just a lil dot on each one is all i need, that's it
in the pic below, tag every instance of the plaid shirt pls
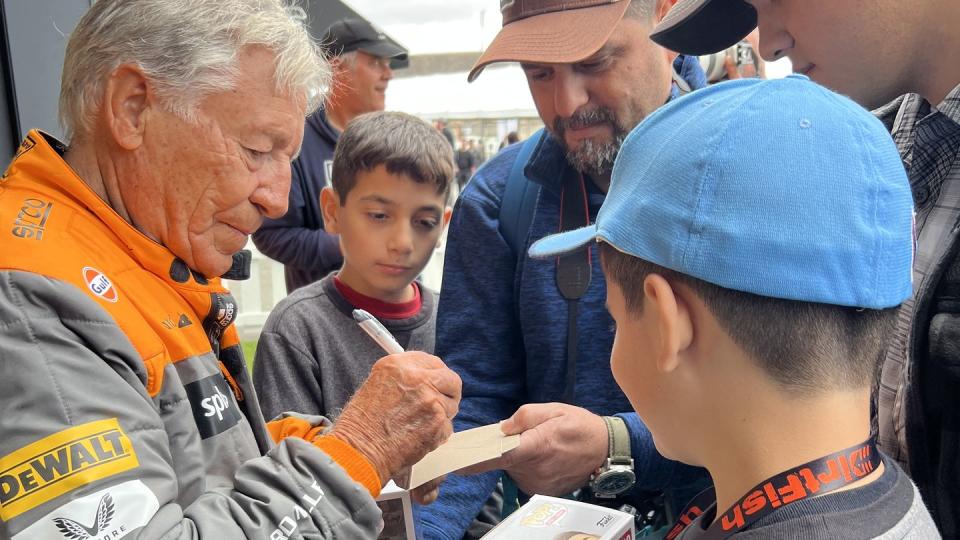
(929, 140)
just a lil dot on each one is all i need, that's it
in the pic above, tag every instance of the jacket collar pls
(950, 107)
(46, 155)
(321, 126)
(906, 110)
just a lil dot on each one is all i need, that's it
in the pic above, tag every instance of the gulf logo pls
(99, 284)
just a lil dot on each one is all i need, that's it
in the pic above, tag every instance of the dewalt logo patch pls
(62, 462)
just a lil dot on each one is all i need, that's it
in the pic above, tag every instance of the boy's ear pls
(673, 320)
(126, 100)
(663, 7)
(447, 213)
(329, 204)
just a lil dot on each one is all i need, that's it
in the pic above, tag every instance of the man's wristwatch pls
(616, 474)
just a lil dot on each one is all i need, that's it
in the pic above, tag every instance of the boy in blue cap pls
(753, 298)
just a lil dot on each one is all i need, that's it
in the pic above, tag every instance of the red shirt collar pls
(379, 308)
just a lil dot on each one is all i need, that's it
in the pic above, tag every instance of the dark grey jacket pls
(297, 239)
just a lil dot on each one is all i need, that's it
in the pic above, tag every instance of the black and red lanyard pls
(812, 479)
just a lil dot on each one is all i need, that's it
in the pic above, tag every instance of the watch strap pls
(618, 438)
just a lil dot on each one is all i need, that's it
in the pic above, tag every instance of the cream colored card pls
(461, 450)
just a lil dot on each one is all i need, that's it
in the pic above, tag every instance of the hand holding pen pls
(377, 331)
(402, 411)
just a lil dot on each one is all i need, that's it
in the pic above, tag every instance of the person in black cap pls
(360, 57)
(902, 59)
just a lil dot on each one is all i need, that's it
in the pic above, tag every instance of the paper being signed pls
(462, 450)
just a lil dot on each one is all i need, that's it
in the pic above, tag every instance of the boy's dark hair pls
(403, 143)
(804, 346)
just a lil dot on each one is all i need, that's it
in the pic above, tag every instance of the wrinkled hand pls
(560, 447)
(402, 412)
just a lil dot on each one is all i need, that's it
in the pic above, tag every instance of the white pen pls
(375, 330)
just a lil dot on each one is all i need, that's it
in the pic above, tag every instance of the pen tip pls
(360, 315)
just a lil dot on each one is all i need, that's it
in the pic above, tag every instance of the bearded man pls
(525, 338)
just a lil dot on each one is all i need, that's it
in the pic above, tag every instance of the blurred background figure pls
(360, 55)
(441, 126)
(739, 61)
(511, 138)
(466, 161)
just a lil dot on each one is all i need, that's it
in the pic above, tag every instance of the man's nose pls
(272, 194)
(569, 93)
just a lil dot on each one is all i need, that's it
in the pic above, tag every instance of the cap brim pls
(563, 243)
(705, 26)
(383, 49)
(559, 37)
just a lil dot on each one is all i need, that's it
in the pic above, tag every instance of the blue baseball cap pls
(778, 188)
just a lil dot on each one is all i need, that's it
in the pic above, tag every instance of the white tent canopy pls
(499, 92)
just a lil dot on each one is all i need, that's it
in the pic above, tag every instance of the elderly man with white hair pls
(127, 408)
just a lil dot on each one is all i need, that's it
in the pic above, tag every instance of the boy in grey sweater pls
(388, 204)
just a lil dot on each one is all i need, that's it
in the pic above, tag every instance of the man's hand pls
(402, 412)
(427, 493)
(560, 447)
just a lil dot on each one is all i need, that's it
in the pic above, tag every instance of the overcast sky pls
(433, 26)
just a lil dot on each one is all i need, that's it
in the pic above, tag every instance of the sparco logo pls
(215, 405)
(214, 410)
(99, 284)
(226, 313)
(32, 219)
(101, 524)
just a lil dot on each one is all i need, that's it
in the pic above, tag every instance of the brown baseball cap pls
(705, 26)
(551, 31)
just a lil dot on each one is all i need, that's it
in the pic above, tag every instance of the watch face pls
(613, 482)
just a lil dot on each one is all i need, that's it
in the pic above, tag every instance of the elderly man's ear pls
(126, 99)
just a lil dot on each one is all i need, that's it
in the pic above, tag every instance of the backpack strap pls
(682, 84)
(519, 199)
(573, 270)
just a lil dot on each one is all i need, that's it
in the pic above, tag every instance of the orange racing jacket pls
(126, 406)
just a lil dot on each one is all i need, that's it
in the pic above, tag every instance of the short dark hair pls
(804, 346)
(403, 143)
